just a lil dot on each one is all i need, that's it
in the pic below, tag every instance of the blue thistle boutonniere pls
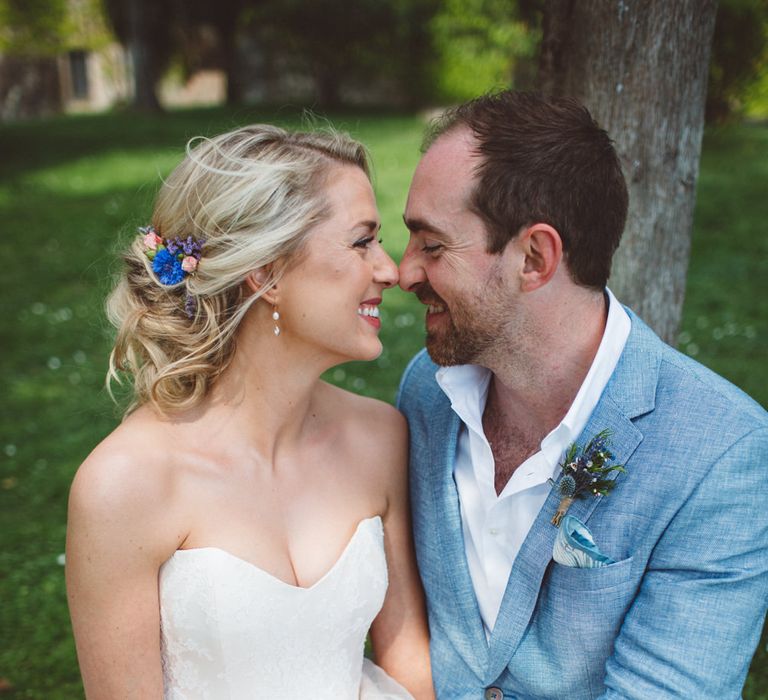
(584, 473)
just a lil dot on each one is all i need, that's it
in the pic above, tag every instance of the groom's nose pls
(411, 269)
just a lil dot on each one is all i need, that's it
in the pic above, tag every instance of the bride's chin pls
(370, 353)
(377, 351)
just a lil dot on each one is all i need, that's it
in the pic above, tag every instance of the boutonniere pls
(584, 473)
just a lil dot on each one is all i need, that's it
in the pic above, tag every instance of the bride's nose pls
(385, 271)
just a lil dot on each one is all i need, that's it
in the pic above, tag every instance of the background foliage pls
(48, 27)
(739, 60)
(478, 43)
(405, 52)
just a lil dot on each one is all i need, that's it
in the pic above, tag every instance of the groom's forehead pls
(447, 172)
(454, 152)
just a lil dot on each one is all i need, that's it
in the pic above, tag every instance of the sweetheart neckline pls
(266, 573)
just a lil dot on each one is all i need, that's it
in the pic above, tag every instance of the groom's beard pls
(466, 332)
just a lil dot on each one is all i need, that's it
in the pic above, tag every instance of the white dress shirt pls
(495, 526)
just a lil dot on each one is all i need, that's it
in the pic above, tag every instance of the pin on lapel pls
(584, 473)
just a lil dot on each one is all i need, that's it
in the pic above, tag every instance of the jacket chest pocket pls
(571, 633)
(584, 607)
(578, 614)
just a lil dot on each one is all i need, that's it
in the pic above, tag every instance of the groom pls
(515, 211)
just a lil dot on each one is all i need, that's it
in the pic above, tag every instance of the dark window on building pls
(78, 69)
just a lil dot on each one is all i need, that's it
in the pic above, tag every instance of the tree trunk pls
(328, 87)
(641, 69)
(232, 70)
(226, 20)
(144, 56)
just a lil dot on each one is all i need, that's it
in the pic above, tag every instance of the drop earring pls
(276, 318)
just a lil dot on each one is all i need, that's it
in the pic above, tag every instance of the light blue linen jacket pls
(680, 613)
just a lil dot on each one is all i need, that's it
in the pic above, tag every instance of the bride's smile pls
(329, 299)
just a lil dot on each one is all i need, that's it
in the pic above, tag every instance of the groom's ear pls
(542, 250)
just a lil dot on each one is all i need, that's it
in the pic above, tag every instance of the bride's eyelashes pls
(365, 242)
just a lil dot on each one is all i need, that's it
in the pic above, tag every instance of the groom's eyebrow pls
(414, 225)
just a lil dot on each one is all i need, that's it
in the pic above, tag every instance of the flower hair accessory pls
(584, 473)
(172, 259)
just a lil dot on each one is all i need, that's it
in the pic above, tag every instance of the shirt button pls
(494, 694)
(494, 531)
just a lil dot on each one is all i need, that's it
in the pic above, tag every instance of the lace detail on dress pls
(230, 631)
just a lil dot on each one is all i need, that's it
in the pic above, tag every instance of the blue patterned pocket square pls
(575, 546)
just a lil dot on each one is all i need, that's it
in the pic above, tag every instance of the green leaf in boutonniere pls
(585, 473)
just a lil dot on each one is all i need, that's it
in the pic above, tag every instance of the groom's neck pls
(536, 380)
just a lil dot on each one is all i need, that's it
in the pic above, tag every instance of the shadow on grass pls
(34, 144)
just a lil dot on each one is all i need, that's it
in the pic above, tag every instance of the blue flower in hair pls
(167, 267)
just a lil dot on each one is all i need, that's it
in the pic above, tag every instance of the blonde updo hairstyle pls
(251, 195)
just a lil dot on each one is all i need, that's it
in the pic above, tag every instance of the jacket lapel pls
(469, 635)
(630, 393)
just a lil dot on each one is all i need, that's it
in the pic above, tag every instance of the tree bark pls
(225, 16)
(641, 69)
(328, 86)
(143, 18)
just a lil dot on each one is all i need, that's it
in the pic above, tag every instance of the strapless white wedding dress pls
(231, 631)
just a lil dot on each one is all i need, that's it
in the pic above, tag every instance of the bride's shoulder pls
(131, 457)
(373, 435)
(363, 412)
(127, 480)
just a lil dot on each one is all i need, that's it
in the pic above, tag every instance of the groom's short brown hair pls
(545, 159)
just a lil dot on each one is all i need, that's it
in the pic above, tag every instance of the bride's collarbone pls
(291, 520)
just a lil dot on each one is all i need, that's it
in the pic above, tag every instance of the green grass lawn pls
(72, 192)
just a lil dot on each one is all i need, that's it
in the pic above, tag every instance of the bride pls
(247, 523)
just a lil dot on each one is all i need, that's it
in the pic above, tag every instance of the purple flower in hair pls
(192, 247)
(190, 306)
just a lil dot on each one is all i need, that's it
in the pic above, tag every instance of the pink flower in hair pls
(189, 263)
(152, 240)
